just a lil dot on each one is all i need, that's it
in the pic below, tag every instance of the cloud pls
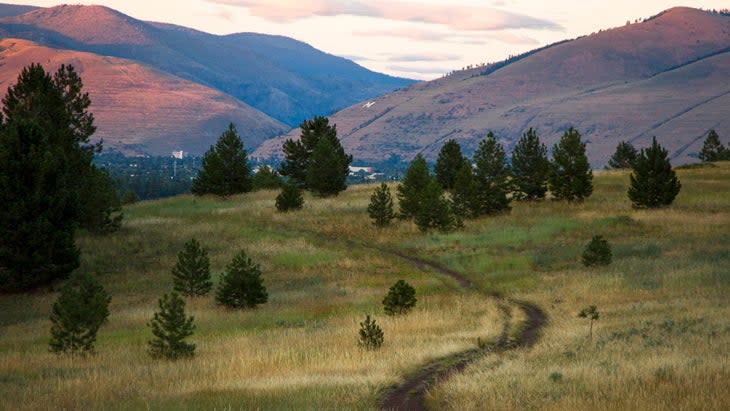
(356, 58)
(456, 17)
(419, 70)
(472, 37)
(409, 58)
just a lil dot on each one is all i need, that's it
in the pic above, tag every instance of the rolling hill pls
(666, 76)
(139, 109)
(284, 78)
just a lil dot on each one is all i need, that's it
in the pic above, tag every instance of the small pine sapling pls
(597, 252)
(171, 327)
(380, 208)
(591, 313)
(191, 274)
(290, 198)
(241, 285)
(371, 335)
(401, 298)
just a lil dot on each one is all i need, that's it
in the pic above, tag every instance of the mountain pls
(284, 78)
(139, 109)
(7, 10)
(666, 76)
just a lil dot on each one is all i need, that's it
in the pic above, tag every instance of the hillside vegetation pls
(661, 342)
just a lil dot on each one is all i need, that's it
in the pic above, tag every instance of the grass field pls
(662, 342)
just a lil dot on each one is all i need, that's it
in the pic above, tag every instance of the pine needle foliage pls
(81, 309)
(241, 285)
(191, 274)
(324, 171)
(380, 208)
(570, 175)
(463, 194)
(653, 182)
(266, 178)
(448, 163)
(530, 167)
(712, 148)
(491, 173)
(592, 314)
(170, 327)
(434, 209)
(290, 198)
(401, 298)
(410, 188)
(597, 252)
(371, 336)
(624, 157)
(225, 170)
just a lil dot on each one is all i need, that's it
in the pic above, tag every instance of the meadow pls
(662, 341)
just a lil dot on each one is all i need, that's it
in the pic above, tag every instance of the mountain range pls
(666, 77)
(265, 84)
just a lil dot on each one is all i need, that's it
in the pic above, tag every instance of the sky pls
(415, 39)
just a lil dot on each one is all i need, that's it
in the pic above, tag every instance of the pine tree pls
(712, 148)
(266, 179)
(491, 174)
(81, 309)
(434, 210)
(597, 252)
(448, 163)
(463, 194)
(290, 198)
(530, 167)
(191, 274)
(225, 170)
(653, 182)
(101, 209)
(241, 285)
(411, 187)
(624, 157)
(171, 327)
(570, 175)
(324, 171)
(401, 298)
(591, 313)
(371, 335)
(380, 208)
(297, 154)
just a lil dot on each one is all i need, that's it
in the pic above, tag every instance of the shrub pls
(380, 208)
(371, 335)
(77, 315)
(401, 298)
(241, 285)
(597, 252)
(290, 198)
(171, 327)
(191, 274)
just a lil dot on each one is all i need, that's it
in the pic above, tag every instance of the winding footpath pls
(411, 394)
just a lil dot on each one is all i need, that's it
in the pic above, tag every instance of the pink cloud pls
(461, 18)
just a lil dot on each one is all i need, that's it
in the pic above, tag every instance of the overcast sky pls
(416, 39)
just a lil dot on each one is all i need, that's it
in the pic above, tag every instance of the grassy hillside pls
(662, 340)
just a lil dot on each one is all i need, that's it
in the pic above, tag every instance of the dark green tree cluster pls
(597, 252)
(422, 199)
(448, 163)
(241, 285)
(48, 185)
(713, 149)
(380, 208)
(570, 177)
(624, 157)
(401, 298)
(317, 161)
(290, 198)
(530, 167)
(81, 309)
(266, 178)
(225, 170)
(653, 181)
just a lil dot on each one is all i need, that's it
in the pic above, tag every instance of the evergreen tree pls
(290, 198)
(81, 309)
(401, 298)
(266, 179)
(448, 163)
(324, 172)
(491, 174)
(371, 335)
(591, 313)
(434, 210)
(297, 154)
(624, 157)
(653, 182)
(411, 187)
(171, 326)
(101, 209)
(463, 195)
(241, 285)
(380, 208)
(712, 148)
(225, 170)
(597, 252)
(530, 167)
(191, 274)
(130, 197)
(47, 181)
(570, 175)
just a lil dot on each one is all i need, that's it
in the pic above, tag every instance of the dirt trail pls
(411, 394)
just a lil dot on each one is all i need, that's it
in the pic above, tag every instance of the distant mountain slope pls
(285, 78)
(7, 10)
(141, 109)
(667, 76)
